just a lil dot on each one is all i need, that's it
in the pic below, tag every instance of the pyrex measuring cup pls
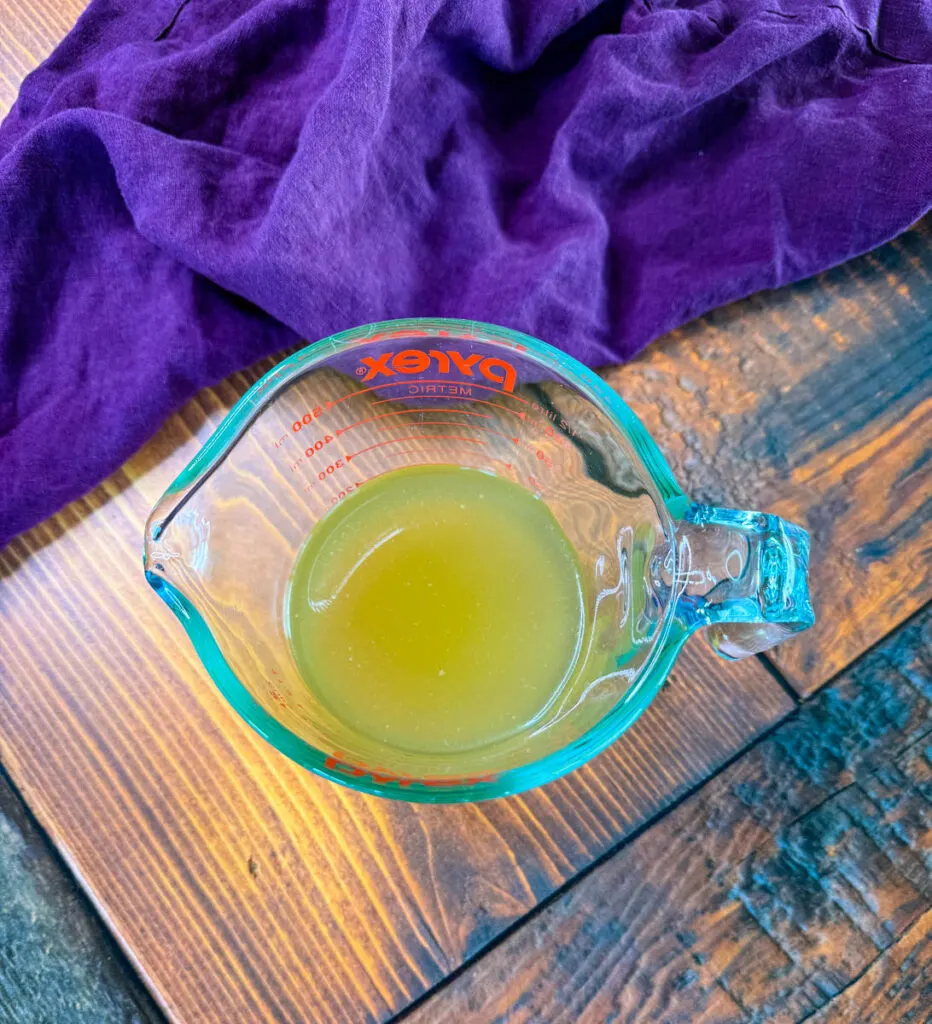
(221, 543)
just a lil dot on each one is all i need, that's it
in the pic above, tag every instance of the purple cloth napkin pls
(187, 186)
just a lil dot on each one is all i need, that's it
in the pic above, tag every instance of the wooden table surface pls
(757, 848)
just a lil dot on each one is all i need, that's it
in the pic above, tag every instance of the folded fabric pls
(185, 187)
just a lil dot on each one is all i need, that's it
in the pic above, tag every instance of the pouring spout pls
(744, 576)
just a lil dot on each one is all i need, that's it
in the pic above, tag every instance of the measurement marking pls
(359, 423)
(453, 423)
(456, 398)
(409, 383)
(414, 437)
(501, 462)
(402, 412)
(307, 419)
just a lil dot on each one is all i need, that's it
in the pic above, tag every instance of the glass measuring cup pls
(221, 543)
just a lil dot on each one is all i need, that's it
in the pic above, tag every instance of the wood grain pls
(57, 963)
(246, 890)
(897, 989)
(243, 887)
(815, 402)
(29, 32)
(792, 875)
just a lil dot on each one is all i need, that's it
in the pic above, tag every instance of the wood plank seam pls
(591, 809)
(560, 892)
(217, 927)
(919, 936)
(843, 798)
(921, 925)
(803, 697)
(59, 884)
(609, 853)
(774, 670)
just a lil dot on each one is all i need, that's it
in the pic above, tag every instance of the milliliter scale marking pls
(439, 390)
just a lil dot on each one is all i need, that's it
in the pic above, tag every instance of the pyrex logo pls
(414, 360)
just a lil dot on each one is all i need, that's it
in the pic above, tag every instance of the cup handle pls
(744, 576)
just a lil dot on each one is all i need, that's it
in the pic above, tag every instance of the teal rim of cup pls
(512, 780)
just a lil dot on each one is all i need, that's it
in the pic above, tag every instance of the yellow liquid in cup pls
(437, 609)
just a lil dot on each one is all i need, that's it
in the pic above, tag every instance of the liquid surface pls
(437, 609)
